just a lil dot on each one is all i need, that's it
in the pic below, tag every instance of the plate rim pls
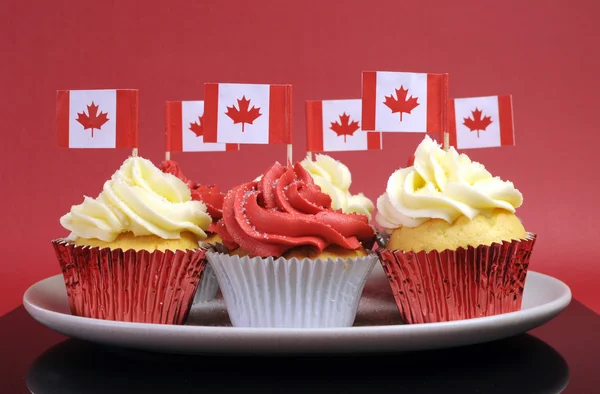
(553, 307)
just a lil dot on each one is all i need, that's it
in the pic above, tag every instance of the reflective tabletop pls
(561, 356)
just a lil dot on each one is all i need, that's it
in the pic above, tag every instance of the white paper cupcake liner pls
(268, 292)
(208, 287)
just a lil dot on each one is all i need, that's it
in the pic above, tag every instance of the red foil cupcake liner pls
(130, 286)
(458, 284)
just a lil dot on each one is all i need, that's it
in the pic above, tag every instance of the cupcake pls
(334, 179)
(213, 200)
(133, 252)
(296, 262)
(456, 249)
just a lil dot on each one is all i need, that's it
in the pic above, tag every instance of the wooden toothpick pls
(445, 98)
(289, 154)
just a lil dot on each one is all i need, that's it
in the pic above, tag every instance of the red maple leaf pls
(401, 104)
(93, 121)
(477, 123)
(344, 126)
(243, 115)
(197, 127)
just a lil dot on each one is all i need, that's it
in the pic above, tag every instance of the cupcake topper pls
(480, 122)
(335, 125)
(89, 119)
(248, 114)
(184, 129)
(404, 102)
(445, 100)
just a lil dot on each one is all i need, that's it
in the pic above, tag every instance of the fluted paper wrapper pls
(209, 286)
(458, 284)
(268, 292)
(130, 286)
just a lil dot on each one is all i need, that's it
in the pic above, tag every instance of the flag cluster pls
(403, 102)
(233, 114)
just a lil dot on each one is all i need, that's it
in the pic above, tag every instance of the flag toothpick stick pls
(289, 154)
(445, 112)
(167, 155)
(309, 155)
(446, 141)
(134, 152)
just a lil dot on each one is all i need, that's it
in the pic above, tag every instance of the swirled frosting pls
(210, 195)
(171, 167)
(141, 199)
(286, 209)
(335, 179)
(443, 185)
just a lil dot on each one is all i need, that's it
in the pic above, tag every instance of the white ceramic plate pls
(377, 328)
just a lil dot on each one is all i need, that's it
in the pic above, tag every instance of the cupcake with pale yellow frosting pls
(456, 248)
(133, 252)
(334, 179)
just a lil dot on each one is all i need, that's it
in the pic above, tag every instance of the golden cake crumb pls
(213, 238)
(437, 234)
(332, 251)
(150, 243)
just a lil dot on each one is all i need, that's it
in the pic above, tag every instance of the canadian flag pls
(481, 122)
(335, 125)
(403, 101)
(97, 118)
(247, 113)
(184, 126)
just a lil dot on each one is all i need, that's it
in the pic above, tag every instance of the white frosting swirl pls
(335, 179)
(442, 185)
(141, 199)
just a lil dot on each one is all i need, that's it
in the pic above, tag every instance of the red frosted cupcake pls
(456, 248)
(212, 198)
(295, 262)
(210, 195)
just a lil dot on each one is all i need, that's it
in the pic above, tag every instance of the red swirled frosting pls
(210, 195)
(283, 210)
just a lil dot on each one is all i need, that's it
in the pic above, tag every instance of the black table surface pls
(561, 356)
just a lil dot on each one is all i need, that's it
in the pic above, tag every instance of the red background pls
(543, 52)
